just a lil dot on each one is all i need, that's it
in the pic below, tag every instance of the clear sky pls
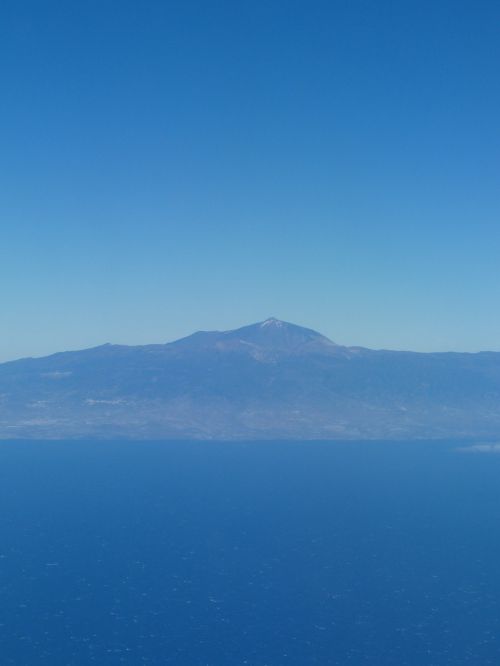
(172, 166)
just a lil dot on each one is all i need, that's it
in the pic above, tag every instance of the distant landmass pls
(270, 380)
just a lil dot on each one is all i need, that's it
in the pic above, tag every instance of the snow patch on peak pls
(272, 322)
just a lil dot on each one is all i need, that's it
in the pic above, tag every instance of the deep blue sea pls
(260, 554)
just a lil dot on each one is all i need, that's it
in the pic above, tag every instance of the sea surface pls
(260, 554)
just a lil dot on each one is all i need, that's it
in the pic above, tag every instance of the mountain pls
(268, 340)
(265, 381)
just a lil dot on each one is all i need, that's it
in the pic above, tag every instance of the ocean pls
(258, 554)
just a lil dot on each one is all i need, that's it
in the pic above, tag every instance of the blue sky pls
(173, 166)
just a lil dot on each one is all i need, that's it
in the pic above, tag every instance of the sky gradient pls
(174, 166)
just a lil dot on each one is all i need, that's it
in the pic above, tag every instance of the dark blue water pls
(270, 554)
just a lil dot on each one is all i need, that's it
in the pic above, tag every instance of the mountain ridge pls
(268, 380)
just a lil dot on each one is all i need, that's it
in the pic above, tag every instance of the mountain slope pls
(268, 380)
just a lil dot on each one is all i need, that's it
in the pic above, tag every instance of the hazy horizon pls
(234, 328)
